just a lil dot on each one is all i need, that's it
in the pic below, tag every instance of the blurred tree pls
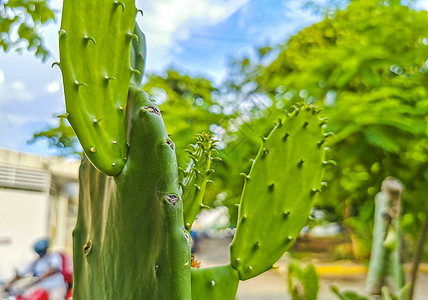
(20, 22)
(366, 66)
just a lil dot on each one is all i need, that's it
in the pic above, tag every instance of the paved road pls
(272, 285)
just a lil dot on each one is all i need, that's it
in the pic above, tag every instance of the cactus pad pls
(95, 48)
(278, 192)
(216, 283)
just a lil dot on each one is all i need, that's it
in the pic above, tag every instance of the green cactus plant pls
(135, 212)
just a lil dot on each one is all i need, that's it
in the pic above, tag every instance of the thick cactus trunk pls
(385, 267)
(129, 241)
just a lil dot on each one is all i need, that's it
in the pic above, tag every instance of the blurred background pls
(229, 67)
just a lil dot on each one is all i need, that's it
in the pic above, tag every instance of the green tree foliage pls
(20, 22)
(366, 66)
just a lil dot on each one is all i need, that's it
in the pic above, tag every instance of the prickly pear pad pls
(216, 283)
(278, 192)
(95, 47)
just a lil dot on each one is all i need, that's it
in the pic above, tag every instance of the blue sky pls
(195, 36)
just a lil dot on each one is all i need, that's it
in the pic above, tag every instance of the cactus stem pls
(300, 164)
(121, 4)
(172, 198)
(87, 38)
(284, 138)
(87, 247)
(56, 64)
(65, 115)
(131, 36)
(305, 124)
(93, 150)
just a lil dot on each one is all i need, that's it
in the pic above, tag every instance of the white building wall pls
(23, 220)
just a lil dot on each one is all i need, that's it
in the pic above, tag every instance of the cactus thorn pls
(250, 268)
(65, 115)
(205, 206)
(141, 12)
(319, 144)
(151, 109)
(256, 245)
(211, 181)
(134, 71)
(244, 175)
(107, 78)
(87, 247)
(188, 225)
(305, 124)
(237, 260)
(271, 187)
(197, 187)
(210, 171)
(121, 4)
(187, 263)
(284, 138)
(170, 143)
(132, 36)
(93, 150)
(314, 191)
(56, 64)
(173, 199)
(114, 142)
(96, 121)
(329, 162)
(213, 282)
(323, 121)
(113, 164)
(243, 217)
(87, 38)
(289, 238)
(324, 184)
(265, 152)
(300, 164)
(327, 134)
(264, 139)
(77, 84)
(217, 159)
(61, 33)
(279, 122)
(286, 213)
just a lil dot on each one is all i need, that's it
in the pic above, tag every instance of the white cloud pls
(14, 92)
(166, 22)
(53, 87)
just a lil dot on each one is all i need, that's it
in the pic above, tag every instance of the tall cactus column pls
(385, 267)
(129, 241)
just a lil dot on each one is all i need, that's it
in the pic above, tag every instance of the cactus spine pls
(131, 239)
